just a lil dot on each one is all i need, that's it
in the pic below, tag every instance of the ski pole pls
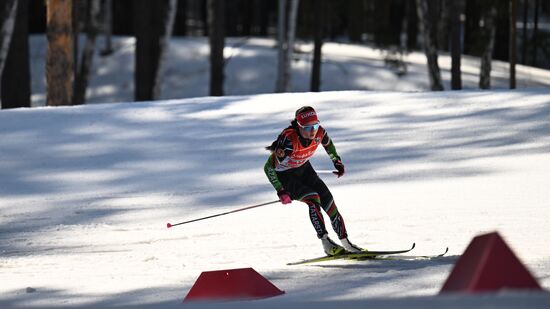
(169, 225)
(326, 172)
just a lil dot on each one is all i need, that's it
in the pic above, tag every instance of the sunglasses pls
(310, 127)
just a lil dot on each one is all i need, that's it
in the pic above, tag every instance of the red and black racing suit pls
(288, 167)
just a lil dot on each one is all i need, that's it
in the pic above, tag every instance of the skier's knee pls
(312, 198)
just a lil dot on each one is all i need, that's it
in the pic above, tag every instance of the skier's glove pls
(338, 165)
(284, 196)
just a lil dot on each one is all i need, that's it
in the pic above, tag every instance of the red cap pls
(306, 115)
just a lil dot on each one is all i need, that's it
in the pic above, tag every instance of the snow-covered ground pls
(86, 192)
(251, 69)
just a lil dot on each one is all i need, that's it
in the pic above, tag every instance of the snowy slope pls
(86, 192)
(251, 69)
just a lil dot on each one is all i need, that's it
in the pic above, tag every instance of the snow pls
(251, 69)
(86, 192)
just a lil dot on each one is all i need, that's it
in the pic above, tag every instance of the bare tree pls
(318, 27)
(16, 76)
(455, 7)
(108, 27)
(286, 43)
(8, 14)
(534, 42)
(281, 45)
(513, 51)
(216, 21)
(489, 31)
(154, 21)
(524, 34)
(429, 45)
(59, 59)
(83, 72)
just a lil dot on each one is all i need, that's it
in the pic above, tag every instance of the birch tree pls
(488, 35)
(59, 59)
(429, 45)
(286, 34)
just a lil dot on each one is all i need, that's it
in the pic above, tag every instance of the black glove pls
(339, 166)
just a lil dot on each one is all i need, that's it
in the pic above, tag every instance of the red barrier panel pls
(488, 264)
(232, 284)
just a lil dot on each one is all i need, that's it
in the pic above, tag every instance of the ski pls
(349, 255)
(405, 257)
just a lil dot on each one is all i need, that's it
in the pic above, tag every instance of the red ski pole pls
(169, 225)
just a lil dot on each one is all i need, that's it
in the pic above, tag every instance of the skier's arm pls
(269, 169)
(330, 148)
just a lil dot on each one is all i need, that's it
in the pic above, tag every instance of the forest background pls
(515, 31)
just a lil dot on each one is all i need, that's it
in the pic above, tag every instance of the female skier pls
(291, 174)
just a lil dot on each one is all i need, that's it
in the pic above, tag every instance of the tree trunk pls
(169, 18)
(293, 15)
(59, 59)
(16, 77)
(282, 46)
(455, 9)
(513, 52)
(524, 34)
(153, 25)
(429, 46)
(535, 32)
(286, 46)
(83, 72)
(216, 21)
(318, 20)
(487, 56)
(8, 15)
(108, 27)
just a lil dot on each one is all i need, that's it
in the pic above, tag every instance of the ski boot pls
(330, 247)
(349, 247)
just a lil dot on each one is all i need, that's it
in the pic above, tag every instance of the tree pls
(524, 34)
(286, 33)
(154, 21)
(83, 72)
(534, 42)
(216, 25)
(429, 45)
(7, 15)
(108, 27)
(59, 59)
(488, 33)
(16, 77)
(455, 9)
(318, 27)
(512, 53)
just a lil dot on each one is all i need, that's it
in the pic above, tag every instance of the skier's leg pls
(299, 191)
(328, 205)
(326, 201)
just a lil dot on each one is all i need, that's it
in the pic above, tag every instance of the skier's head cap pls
(306, 115)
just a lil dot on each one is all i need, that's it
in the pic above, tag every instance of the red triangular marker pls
(232, 284)
(488, 264)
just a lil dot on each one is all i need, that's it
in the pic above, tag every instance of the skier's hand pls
(284, 196)
(338, 165)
